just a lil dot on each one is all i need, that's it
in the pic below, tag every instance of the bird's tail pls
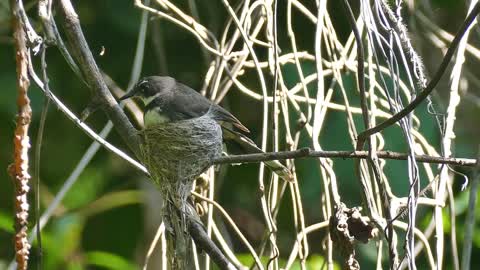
(248, 146)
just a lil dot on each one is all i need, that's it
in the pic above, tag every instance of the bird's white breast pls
(155, 116)
(147, 100)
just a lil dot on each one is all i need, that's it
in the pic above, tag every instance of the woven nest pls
(176, 153)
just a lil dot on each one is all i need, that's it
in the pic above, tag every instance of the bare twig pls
(431, 85)
(160, 232)
(470, 219)
(38, 155)
(234, 226)
(308, 153)
(84, 126)
(199, 235)
(87, 65)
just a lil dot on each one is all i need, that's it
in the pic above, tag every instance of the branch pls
(309, 153)
(234, 227)
(84, 127)
(360, 61)
(100, 94)
(18, 170)
(200, 236)
(431, 85)
(469, 230)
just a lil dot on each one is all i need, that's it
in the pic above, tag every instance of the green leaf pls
(62, 240)
(86, 189)
(313, 262)
(6, 222)
(112, 200)
(108, 260)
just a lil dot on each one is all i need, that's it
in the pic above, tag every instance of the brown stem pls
(19, 168)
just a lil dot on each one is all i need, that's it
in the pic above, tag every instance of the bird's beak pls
(129, 94)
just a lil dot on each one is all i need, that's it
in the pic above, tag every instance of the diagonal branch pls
(100, 94)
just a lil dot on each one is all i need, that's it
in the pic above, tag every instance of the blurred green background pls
(103, 222)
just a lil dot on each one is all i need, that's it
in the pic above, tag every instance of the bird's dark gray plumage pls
(167, 100)
(178, 101)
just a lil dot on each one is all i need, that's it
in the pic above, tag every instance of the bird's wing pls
(188, 103)
(249, 147)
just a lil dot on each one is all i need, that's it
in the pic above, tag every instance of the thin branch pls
(72, 178)
(84, 127)
(38, 156)
(308, 153)
(360, 61)
(99, 140)
(91, 72)
(470, 219)
(234, 227)
(153, 244)
(431, 85)
(200, 236)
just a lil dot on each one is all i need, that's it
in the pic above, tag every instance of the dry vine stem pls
(19, 169)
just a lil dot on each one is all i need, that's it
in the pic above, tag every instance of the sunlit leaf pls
(108, 260)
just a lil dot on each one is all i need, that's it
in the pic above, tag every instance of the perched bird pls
(182, 136)
(167, 100)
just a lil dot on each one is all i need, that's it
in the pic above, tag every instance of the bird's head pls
(149, 88)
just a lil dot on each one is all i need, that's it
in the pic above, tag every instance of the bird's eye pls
(142, 88)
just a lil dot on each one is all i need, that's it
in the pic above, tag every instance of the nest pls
(176, 153)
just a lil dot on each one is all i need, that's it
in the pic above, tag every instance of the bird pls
(166, 100)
